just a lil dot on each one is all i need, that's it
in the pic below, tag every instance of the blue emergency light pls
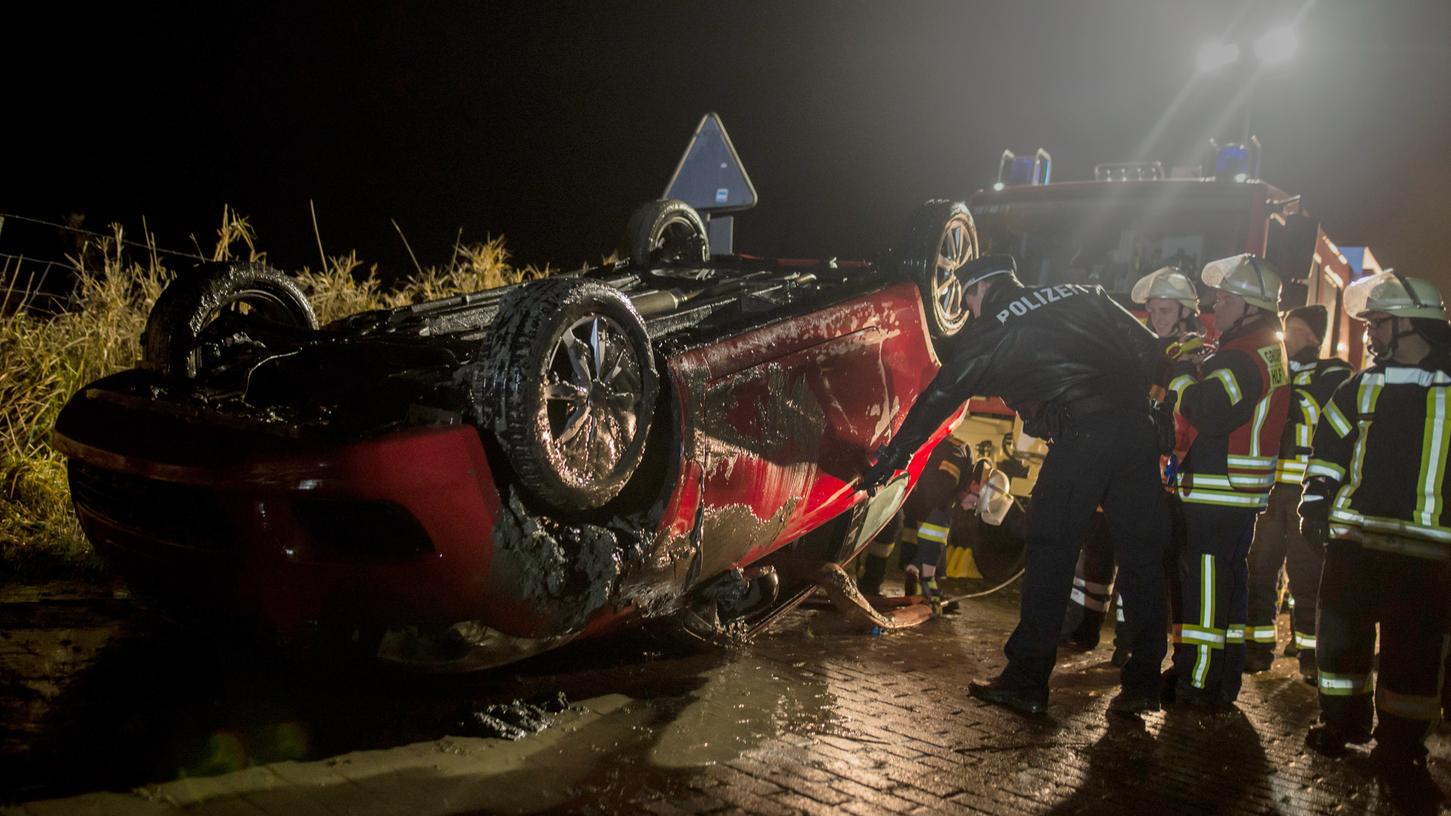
(1015, 170)
(1236, 161)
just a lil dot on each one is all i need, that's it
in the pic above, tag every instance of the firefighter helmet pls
(1166, 283)
(1394, 294)
(1245, 275)
(994, 499)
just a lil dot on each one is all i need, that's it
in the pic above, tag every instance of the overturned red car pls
(461, 483)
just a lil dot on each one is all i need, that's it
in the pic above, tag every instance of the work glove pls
(1163, 416)
(888, 462)
(1315, 514)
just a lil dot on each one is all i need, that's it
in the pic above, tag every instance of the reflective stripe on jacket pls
(1313, 382)
(1380, 450)
(1238, 406)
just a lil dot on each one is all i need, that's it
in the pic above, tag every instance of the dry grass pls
(46, 356)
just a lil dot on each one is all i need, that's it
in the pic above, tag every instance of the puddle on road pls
(738, 708)
(139, 707)
(597, 754)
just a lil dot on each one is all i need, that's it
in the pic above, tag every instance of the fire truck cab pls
(1132, 219)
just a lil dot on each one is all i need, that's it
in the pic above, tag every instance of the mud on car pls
(673, 438)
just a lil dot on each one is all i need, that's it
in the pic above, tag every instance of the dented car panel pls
(787, 416)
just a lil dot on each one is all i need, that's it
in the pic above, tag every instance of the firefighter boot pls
(1258, 660)
(1084, 636)
(874, 569)
(1330, 740)
(933, 595)
(911, 585)
(1308, 672)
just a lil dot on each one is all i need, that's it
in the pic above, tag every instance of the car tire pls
(567, 385)
(666, 232)
(940, 237)
(176, 327)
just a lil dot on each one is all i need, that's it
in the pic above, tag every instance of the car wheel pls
(197, 311)
(667, 231)
(568, 385)
(940, 237)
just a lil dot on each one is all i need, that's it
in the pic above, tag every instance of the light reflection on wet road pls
(105, 709)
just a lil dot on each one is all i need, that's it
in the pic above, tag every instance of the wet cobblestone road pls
(815, 717)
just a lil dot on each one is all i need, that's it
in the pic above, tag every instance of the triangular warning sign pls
(710, 176)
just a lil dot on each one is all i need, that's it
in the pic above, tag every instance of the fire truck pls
(1133, 218)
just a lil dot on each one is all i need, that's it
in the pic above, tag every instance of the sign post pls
(711, 178)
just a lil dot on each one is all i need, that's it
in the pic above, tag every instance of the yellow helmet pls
(1166, 283)
(1250, 277)
(1394, 294)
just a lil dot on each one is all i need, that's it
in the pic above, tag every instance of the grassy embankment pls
(46, 356)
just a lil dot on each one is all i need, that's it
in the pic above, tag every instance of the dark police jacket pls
(1048, 351)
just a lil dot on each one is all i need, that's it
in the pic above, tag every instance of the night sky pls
(549, 122)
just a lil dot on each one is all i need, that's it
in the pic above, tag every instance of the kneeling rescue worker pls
(1376, 487)
(1237, 405)
(1076, 366)
(927, 521)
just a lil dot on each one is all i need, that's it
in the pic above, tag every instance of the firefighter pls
(1376, 491)
(1277, 541)
(1236, 405)
(1076, 367)
(927, 517)
(1172, 308)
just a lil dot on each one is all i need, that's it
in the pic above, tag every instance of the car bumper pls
(298, 533)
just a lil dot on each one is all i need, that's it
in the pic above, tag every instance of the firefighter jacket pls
(1380, 454)
(1312, 382)
(1044, 350)
(949, 468)
(1238, 406)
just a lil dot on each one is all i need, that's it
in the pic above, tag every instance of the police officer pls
(1277, 541)
(1377, 489)
(1172, 307)
(1236, 404)
(1075, 366)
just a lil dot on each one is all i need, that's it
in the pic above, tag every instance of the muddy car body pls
(464, 482)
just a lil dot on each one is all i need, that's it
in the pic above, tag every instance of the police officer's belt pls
(1083, 407)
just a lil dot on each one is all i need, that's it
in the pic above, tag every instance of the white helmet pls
(994, 499)
(1166, 283)
(1245, 275)
(1394, 294)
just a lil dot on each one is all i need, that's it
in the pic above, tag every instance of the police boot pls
(874, 569)
(1021, 699)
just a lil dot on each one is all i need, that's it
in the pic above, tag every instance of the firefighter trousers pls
(1407, 596)
(1108, 459)
(1093, 594)
(1212, 588)
(1277, 541)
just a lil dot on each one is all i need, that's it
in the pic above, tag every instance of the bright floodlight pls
(1216, 55)
(1276, 45)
